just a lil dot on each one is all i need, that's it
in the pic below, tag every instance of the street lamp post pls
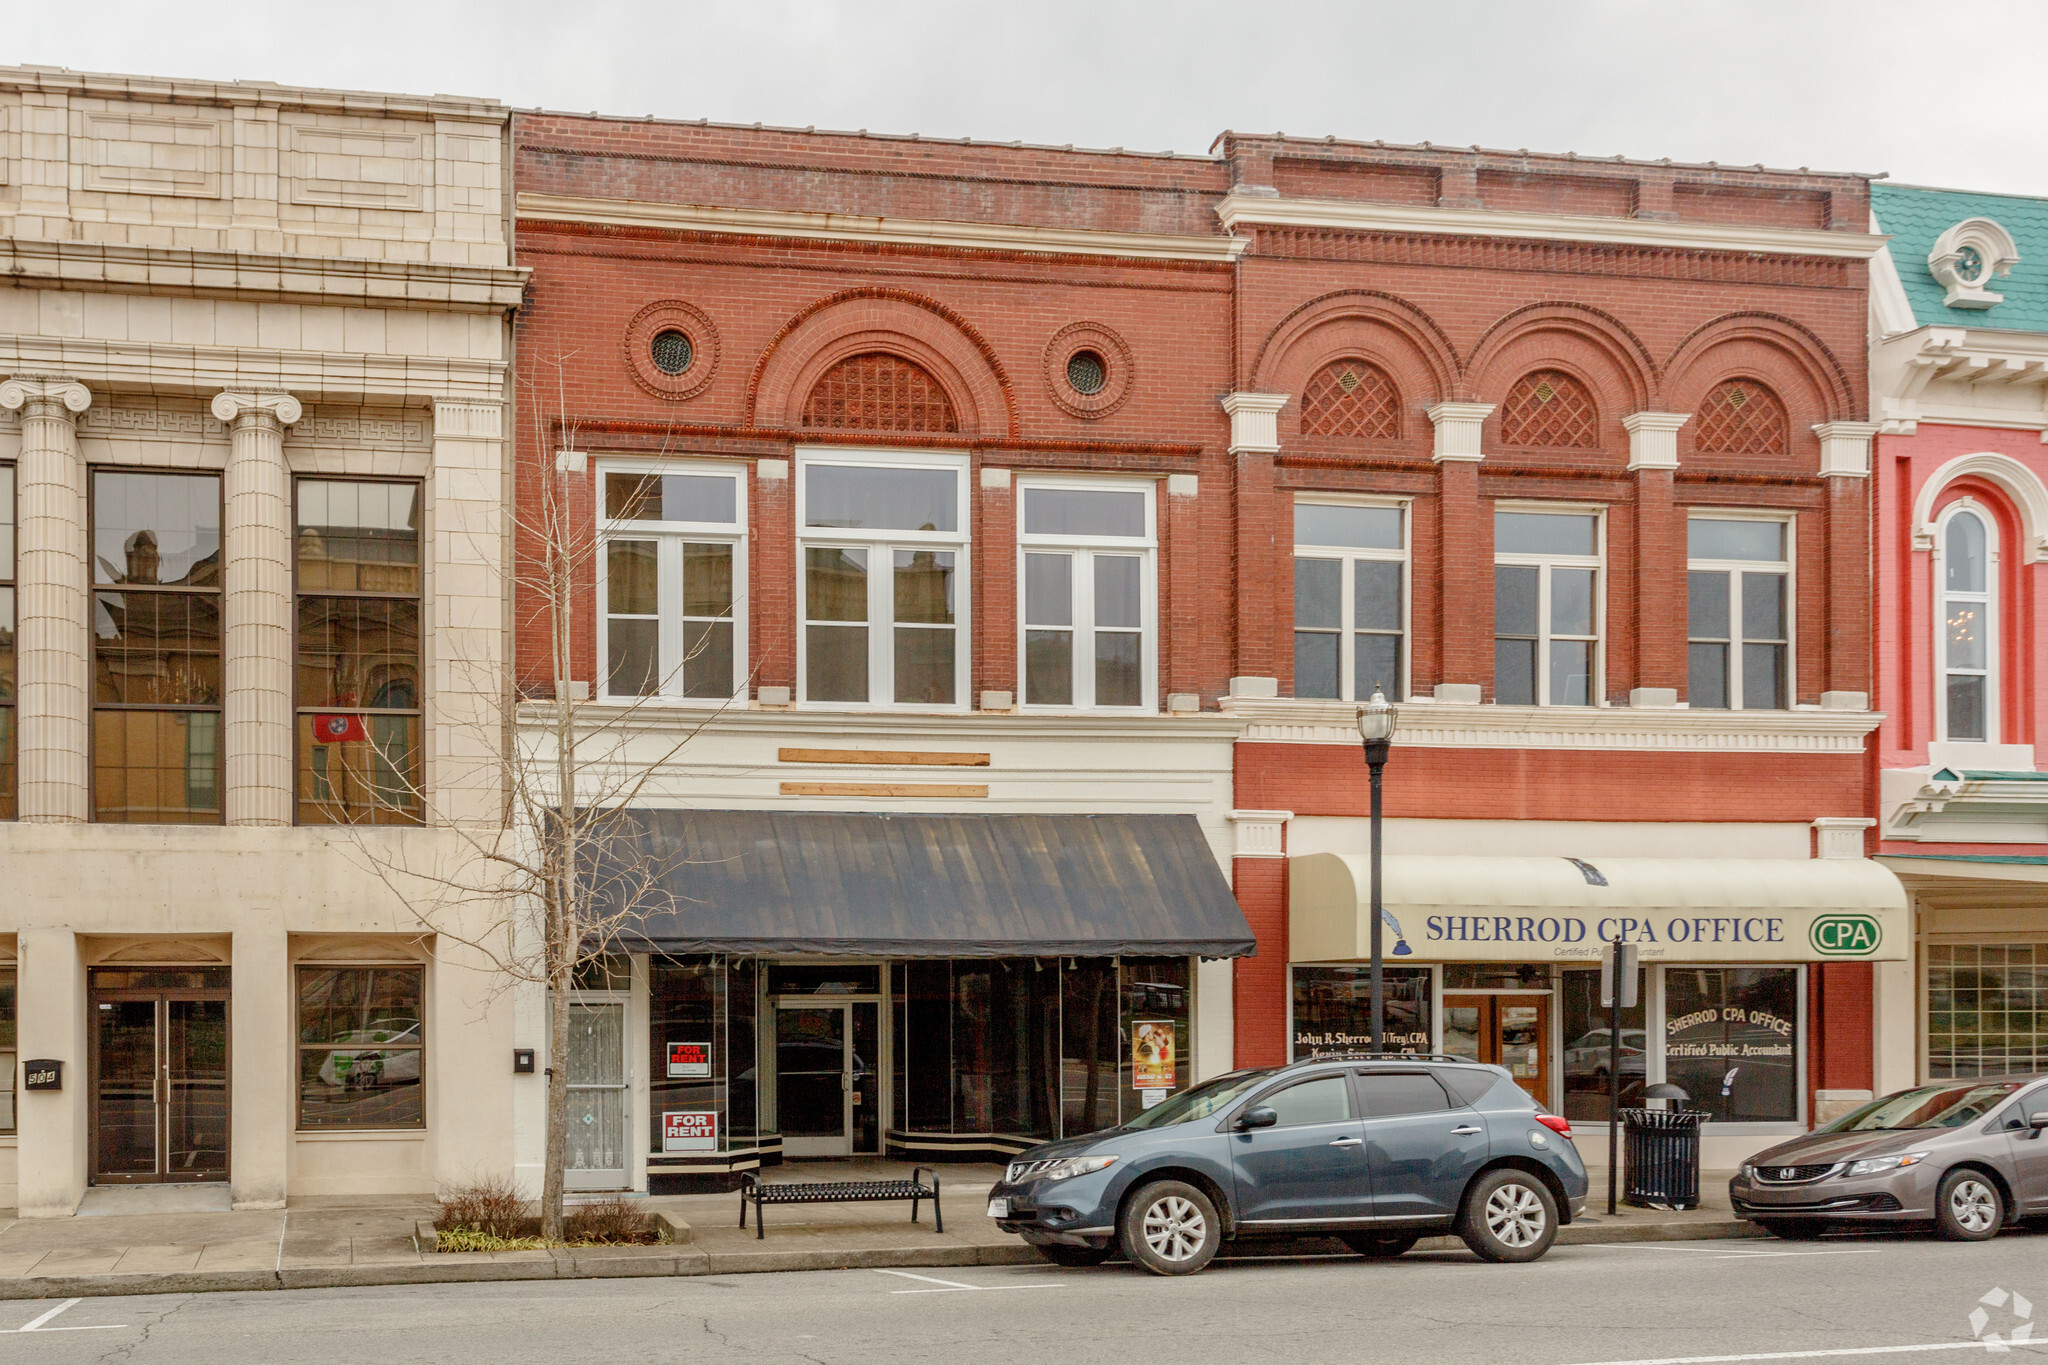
(1376, 728)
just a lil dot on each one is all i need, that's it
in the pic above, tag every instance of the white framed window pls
(1547, 605)
(882, 578)
(1350, 599)
(672, 578)
(1738, 612)
(1088, 624)
(1966, 640)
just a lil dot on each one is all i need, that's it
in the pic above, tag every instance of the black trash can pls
(1660, 1151)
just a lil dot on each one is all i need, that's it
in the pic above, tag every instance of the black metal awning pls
(929, 885)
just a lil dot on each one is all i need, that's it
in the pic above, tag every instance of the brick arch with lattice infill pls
(1750, 352)
(1401, 341)
(907, 327)
(1566, 354)
(877, 391)
(1351, 399)
(1741, 415)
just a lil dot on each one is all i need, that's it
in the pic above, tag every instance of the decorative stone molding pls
(2023, 485)
(1457, 694)
(1966, 258)
(771, 469)
(244, 409)
(1259, 833)
(468, 421)
(1119, 369)
(1458, 428)
(1183, 485)
(672, 315)
(995, 480)
(1653, 698)
(1845, 449)
(1845, 701)
(1836, 836)
(1255, 422)
(1252, 687)
(1426, 724)
(42, 397)
(1653, 439)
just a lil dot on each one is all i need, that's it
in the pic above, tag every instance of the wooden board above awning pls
(888, 885)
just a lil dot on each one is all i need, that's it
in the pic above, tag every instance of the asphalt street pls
(1881, 1298)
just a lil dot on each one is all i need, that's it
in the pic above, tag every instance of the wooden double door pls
(1510, 1030)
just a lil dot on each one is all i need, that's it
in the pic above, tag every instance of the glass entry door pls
(1503, 1030)
(812, 1102)
(598, 1097)
(159, 1089)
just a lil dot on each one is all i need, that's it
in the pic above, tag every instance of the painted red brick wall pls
(1259, 984)
(1841, 1028)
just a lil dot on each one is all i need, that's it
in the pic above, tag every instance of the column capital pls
(235, 407)
(43, 396)
(1255, 422)
(1457, 430)
(1259, 833)
(1653, 439)
(466, 420)
(1845, 448)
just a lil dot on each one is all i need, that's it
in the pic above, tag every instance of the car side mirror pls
(1261, 1117)
(2039, 1123)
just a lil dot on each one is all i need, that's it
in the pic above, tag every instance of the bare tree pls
(563, 874)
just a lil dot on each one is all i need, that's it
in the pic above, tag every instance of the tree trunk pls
(558, 1107)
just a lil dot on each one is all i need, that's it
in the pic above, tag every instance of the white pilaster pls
(256, 608)
(52, 683)
(1653, 439)
(466, 646)
(1254, 421)
(1845, 448)
(1458, 427)
(50, 1007)
(261, 1108)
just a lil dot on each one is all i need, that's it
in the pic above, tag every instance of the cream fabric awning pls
(1552, 909)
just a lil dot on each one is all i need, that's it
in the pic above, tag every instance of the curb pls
(687, 1259)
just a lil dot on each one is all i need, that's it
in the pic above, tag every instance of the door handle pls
(1348, 1142)
(1466, 1131)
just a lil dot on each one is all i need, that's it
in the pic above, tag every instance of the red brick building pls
(1000, 484)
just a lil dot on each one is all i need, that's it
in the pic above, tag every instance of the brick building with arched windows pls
(1012, 533)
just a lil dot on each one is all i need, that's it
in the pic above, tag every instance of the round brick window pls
(670, 351)
(1087, 372)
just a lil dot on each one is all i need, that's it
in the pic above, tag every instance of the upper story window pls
(879, 392)
(882, 541)
(674, 572)
(1549, 408)
(1740, 417)
(1089, 619)
(1351, 398)
(156, 570)
(1738, 613)
(1350, 607)
(1966, 624)
(1546, 607)
(7, 786)
(359, 595)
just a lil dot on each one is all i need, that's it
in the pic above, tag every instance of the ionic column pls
(256, 607)
(52, 690)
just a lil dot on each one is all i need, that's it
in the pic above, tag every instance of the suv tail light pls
(1556, 1123)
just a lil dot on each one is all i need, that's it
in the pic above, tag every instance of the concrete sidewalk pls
(317, 1243)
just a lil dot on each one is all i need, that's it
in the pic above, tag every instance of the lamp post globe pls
(1376, 727)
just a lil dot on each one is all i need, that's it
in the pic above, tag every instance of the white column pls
(466, 655)
(256, 608)
(51, 1146)
(261, 1106)
(52, 682)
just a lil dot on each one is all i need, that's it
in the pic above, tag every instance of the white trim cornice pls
(260, 93)
(317, 376)
(111, 267)
(629, 718)
(1345, 215)
(851, 227)
(1424, 725)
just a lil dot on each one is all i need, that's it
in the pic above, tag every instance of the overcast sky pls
(1937, 95)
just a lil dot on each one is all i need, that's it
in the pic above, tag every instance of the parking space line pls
(955, 1287)
(36, 1324)
(1817, 1355)
(1729, 1254)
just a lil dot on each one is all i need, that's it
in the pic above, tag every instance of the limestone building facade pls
(255, 348)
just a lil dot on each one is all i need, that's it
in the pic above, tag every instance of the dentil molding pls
(1433, 725)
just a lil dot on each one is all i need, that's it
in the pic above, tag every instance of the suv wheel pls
(1170, 1228)
(1509, 1215)
(1968, 1208)
(1381, 1246)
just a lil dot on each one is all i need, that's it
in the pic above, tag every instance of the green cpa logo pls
(1846, 935)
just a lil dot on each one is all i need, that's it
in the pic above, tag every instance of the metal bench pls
(841, 1192)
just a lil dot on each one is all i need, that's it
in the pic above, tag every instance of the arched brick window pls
(879, 392)
(1351, 398)
(1549, 408)
(1740, 417)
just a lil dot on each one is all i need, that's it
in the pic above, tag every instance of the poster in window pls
(1152, 1054)
(689, 1131)
(689, 1061)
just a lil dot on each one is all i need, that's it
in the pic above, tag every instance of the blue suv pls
(1376, 1150)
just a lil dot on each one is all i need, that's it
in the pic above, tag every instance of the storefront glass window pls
(7, 1050)
(1155, 1057)
(1005, 1047)
(1731, 1040)
(1987, 1008)
(1333, 1010)
(1587, 1053)
(924, 1046)
(686, 1047)
(360, 1047)
(1090, 1046)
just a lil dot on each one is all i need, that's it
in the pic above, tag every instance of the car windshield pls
(1200, 1102)
(1927, 1106)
